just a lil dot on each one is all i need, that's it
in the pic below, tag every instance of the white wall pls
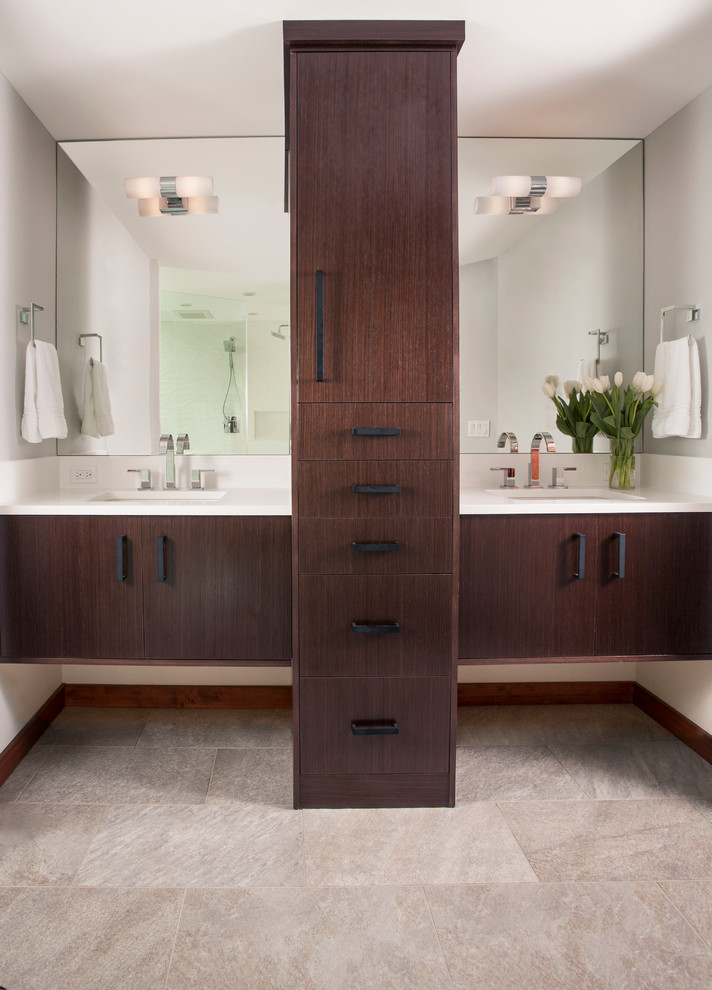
(678, 262)
(479, 371)
(27, 239)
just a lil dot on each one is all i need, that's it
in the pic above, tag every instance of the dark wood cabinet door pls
(415, 709)
(519, 594)
(376, 625)
(71, 587)
(361, 431)
(660, 604)
(375, 488)
(217, 588)
(372, 152)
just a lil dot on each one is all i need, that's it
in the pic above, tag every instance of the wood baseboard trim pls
(686, 731)
(177, 696)
(17, 750)
(547, 693)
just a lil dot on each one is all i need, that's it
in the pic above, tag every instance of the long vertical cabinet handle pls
(580, 572)
(320, 325)
(620, 573)
(121, 557)
(162, 574)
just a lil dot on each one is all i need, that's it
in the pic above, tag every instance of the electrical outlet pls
(83, 476)
(478, 428)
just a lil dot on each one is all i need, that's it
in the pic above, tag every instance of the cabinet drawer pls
(418, 707)
(375, 546)
(375, 625)
(375, 488)
(416, 430)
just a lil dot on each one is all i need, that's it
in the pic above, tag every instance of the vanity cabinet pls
(153, 588)
(372, 147)
(644, 590)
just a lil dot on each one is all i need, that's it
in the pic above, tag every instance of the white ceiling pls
(155, 68)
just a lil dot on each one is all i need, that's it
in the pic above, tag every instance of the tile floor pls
(159, 850)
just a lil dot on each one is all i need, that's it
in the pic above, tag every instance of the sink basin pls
(157, 495)
(559, 494)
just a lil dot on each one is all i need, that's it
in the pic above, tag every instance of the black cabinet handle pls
(375, 727)
(620, 573)
(162, 568)
(376, 431)
(121, 558)
(384, 627)
(375, 547)
(375, 489)
(320, 325)
(580, 572)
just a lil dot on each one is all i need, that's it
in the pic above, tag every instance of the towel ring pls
(693, 313)
(82, 343)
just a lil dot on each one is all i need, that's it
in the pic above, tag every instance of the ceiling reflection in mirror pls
(166, 293)
(194, 310)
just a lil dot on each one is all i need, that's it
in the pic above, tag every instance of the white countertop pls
(523, 501)
(269, 501)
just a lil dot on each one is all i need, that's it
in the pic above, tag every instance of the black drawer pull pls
(366, 627)
(580, 572)
(375, 489)
(320, 325)
(375, 727)
(376, 431)
(620, 573)
(375, 547)
(162, 563)
(121, 558)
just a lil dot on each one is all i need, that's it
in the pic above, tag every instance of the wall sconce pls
(516, 195)
(172, 195)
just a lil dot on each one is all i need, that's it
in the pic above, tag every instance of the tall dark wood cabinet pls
(373, 201)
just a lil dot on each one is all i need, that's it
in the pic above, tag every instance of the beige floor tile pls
(585, 936)
(79, 939)
(468, 844)
(512, 773)
(252, 776)
(612, 840)
(44, 844)
(78, 726)
(537, 725)
(188, 846)
(122, 775)
(229, 728)
(326, 939)
(666, 769)
(693, 898)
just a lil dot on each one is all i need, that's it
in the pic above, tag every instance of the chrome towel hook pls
(27, 315)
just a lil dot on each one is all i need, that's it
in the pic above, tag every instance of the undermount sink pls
(557, 494)
(158, 495)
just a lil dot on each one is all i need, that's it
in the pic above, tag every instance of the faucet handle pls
(182, 443)
(165, 442)
(145, 480)
(513, 442)
(196, 479)
(557, 477)
(507, 476)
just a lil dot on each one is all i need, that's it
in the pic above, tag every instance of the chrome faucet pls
(165, 445)
(182, 443)
(534, 462)
(513, 442)
(145, 482)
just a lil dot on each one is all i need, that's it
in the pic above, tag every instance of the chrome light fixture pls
(516, 195)
(172, 195)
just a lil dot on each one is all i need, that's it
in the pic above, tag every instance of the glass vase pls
(622, 469)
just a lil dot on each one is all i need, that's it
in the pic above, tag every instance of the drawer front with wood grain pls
(375, 725)
(375, 430)
(375, 546)
(375, 488)
(377, 625)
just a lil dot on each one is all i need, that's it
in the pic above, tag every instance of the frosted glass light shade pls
(492, 206)
(145, 187)
(194, 185)
(558, 186)
(150, 207)
(202, 204)
(562, 186)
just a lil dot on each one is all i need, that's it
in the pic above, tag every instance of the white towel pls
(43, 412)
(97, 420)
(677, 366)
(587, 369)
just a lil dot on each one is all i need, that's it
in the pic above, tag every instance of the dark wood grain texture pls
(177, 696)
(326, 488)
(419, 603)
(326, 430)
(20, 746)
(325, 546)
(392, 790)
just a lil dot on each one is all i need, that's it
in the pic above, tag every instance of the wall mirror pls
(192, 311)
(187, 304)
(534, 290)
